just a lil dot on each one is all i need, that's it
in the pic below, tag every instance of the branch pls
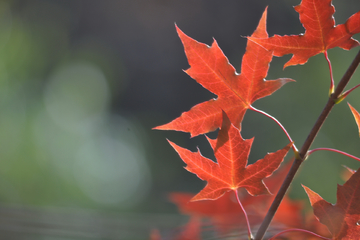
(306, 146)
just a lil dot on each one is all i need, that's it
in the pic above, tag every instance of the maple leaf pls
(320, 34)
(343, 218)
(235, 92)
(224, 213)
(230, 172)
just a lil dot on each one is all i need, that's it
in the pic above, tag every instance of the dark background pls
(83, 82)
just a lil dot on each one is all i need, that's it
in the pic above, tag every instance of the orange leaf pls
(230, 172)
(356, 116)
(343, 218)
(224, 213)
(320, 34)
(236, 92)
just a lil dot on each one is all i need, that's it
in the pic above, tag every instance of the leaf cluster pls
(238, 195)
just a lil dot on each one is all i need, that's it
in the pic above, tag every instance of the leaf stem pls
(278, 123)
(250, 235)
(333, 150)
(299, 230)
(306, 146)
(332, 84)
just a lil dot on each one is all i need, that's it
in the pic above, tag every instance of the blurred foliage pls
(60, 144)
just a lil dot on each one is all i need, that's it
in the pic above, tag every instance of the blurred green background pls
(83, 82)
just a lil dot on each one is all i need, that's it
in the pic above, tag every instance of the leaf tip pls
(178, 30)
(260, 31)
(356, 116)
(174, 145)
(162, 127)
(156, 128)
(283, 81)
(313, 196)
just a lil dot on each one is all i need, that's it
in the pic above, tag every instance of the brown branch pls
(305, 148)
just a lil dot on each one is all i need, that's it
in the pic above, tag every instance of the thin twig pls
(332, 84)
(280, 125)
(333, 150)
(250, 236)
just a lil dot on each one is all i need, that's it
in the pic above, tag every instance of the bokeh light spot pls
(76, 95)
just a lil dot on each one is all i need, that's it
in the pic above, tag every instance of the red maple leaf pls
(230, 172)
(236, 92)
(224, 213)
(320, 34)
(343, 218)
